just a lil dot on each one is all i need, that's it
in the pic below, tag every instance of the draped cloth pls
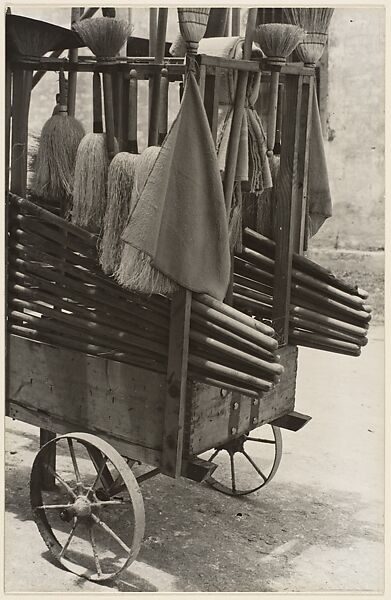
(180, 219)
(252, 162)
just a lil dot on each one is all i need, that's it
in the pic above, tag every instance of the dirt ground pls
(318, 526)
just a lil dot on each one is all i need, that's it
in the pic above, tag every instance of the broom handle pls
(97, 103)
(153, 133)
(272, 113)
(306, 265)
(73, 55)
(163, 116)
(109, 114)
(132, 113)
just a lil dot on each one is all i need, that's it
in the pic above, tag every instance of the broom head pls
(310, 50)
(33, 38)
(312, 20)
(104, 36)
(278, 40)
(192, 25)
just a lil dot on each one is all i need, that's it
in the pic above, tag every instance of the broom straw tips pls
(54, 162)
(315, 22)
(119, 190)
(89, 195)
(278, 40)
(104, 36)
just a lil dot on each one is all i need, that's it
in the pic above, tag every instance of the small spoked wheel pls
(247, 463)
(93, 520)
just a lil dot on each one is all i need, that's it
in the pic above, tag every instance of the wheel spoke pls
(253, 439)
(74, 462)
(231, 457)
(258, 470)
(60, 480)
(99, 473)
(53, 506)
(110, 532)
(214, 455)
(112, 503)
(95, 551)
(72, 533)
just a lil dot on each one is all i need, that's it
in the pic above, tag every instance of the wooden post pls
(163, 116)
(132, 145)
(235, 22)
(178, 351)
(287, 207)
(211, 99)
(153, 129)
(21, 94)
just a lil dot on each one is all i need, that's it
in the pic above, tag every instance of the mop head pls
(135, 271)
(89, 194)
(53, 164)
(119, 190)
(278, 40)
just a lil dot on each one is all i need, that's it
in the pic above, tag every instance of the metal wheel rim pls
(217, 485)
(137, 506)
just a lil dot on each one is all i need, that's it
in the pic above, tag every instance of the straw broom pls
(192, 25)
(119, 190)
(105, 37)
(277, 41)
(315, 22)
(54, 163)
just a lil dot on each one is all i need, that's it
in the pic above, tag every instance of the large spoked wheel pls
(247, 463)
(93, 520)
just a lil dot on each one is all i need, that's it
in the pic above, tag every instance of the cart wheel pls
(93, 521)
(262, 450)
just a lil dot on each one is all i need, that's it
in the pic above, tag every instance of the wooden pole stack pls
(325, 312)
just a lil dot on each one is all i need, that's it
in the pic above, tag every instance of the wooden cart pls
(108, 410)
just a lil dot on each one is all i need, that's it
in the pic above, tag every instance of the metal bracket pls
(292, 421)
(254, 413)
(234, 412)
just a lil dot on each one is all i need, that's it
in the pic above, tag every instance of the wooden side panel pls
(209, 414)
(92, 393)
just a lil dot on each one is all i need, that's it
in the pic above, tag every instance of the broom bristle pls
(135, 271)
(89, 194)
(119, 190)
(312, 47)
(104, 36)
(312, 20)
(53, 165)
(278, 40)
(192, 25)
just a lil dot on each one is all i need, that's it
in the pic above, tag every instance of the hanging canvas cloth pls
(180, 218)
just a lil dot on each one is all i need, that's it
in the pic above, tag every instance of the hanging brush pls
(315, 22)
(105, 37)
(277, 41)
(192, 24)
(119, 191)
(54, 163)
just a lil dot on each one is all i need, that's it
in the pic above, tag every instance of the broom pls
(315, 22)
(277, 41)
(105, 37)
(54, 163)
(119, 190)
(192, 25)
(135, 271)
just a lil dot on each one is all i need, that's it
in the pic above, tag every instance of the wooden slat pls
(211, 100)
(174, 413)
(286, 210)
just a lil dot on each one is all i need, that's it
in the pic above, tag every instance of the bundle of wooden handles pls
(325, 312)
